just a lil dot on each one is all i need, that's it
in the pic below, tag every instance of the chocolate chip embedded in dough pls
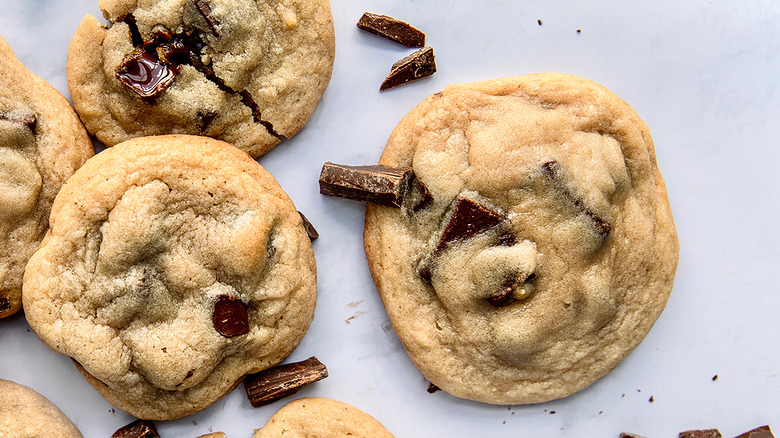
(230, 317)
(137, 429)
(418, 65)
(503, 294)
(28, 120)
(205, 10)
(392, 28)
(280, 381)
(310, 230)
(553, 170)
(467, 220)
(146, 76)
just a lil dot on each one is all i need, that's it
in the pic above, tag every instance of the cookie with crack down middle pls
(549, 250)
(42, 142)
(174, 266)
(243, 71)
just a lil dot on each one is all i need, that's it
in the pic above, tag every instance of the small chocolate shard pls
(280, 381)
(29, 120)
(391, 28)
(137, 429)
(503, 295)
(205, 11)
(553, 170)
(506, 239)
(146, 76)
(377, 184)
(759, 432)
(230, 317)
(704, 433)
(467, 220)
(310, 230)
(630, 435)
(418, 196)
(418, 65)
(432, 388)
(5, 304)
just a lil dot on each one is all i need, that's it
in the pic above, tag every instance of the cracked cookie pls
(174, 266)
(25, 413)
(243, 71)
(42, 142)
(321, 417)
(549, 249)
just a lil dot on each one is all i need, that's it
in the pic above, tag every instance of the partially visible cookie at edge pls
(42, 142)
(321, 418)
(247, 72)
(549, 250)
(174, 266)
(26, 413)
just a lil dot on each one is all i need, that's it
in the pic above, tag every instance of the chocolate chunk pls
(410, 68)
(137, 429)
(5, 304)
(391, 28)
(378, 184)
(205, 120)
(553, 170)
(30, 121)
(759, 432)
(506, 239)
(502, 296)
(432, 388)
(280, 381)
(230, 317)
(146, 76)
(705, 433)
(310, 231)
(630, 435)
(205, 10)
(467, 220)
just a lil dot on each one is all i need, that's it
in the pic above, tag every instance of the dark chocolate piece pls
(630, 435)
(553, 171)
(432, 388)
(205, 10)
(502, 296)
(230, 317)
(137, 429)
(5, 304)
(704, 433)
(146, 76)
(378, 184)
(391, 28)
(418, 65)
(310, 230)
(467, 220)
(759, 432)
(280, 381)
(30, 121)
(418, 196)
(506, 239)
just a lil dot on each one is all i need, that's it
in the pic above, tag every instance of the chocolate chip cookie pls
(25, 413)
(174, 266)
(321, 417)
(42, 142)
(548, 250)
(246, 72)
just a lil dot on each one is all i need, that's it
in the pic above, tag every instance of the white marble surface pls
(704, 76)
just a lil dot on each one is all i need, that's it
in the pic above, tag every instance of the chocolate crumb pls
(630, 435)
(280, 381)
(418, 65)
(651, 399)
(391, 28)
(715, 377)
(552, 412)
(137, 429)
(579, 30)
(539, 21)
(432, 388)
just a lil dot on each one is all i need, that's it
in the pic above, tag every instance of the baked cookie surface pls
(42, 142)
(25, 413)
(317, 417)
(549, 249)
(246, 72)
(174, 266)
